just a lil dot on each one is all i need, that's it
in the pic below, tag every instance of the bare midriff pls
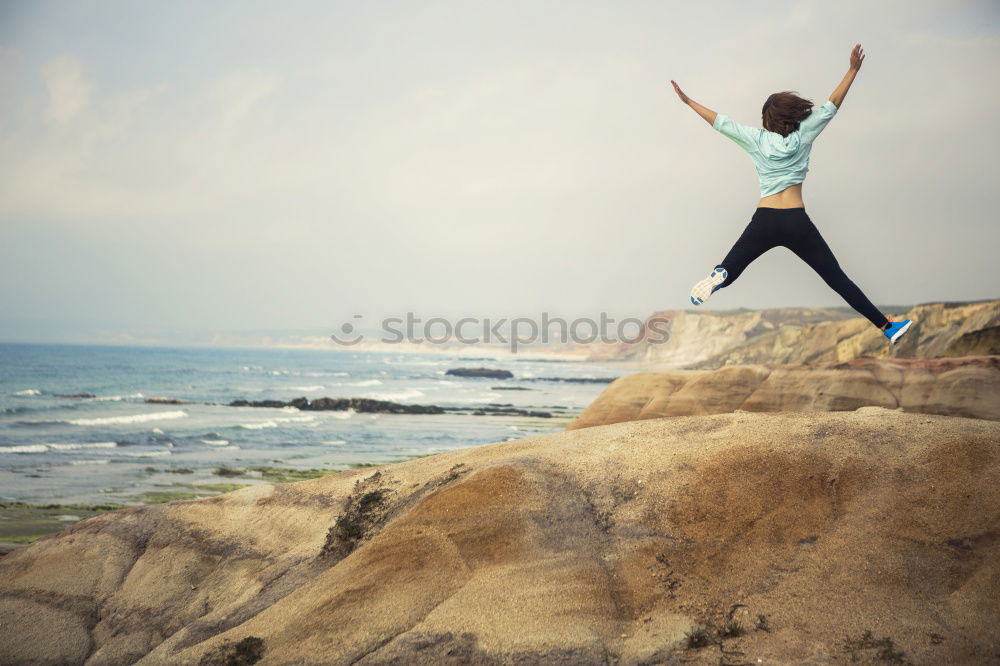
(790, 197)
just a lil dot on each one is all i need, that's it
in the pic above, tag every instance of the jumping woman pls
(780, 153)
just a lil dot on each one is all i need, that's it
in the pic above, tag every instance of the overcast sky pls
(273, 165)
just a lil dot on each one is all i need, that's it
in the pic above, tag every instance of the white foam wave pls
(102, 461)
(28, 392)
(368, 382)
(337, 442)
(132, 418)
(344, 415)
(41, 448)
(258, 426)
(273, 423)
(117, 398)
(73, 447)
(215, 442)
(319, 387)
(24, 448)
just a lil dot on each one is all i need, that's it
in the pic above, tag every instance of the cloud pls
(68, 88)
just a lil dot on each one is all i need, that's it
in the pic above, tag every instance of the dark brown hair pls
(783, 111)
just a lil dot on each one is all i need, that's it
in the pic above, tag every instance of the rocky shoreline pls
(369, 406)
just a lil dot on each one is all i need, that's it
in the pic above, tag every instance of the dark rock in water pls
(343, 404)
(371, 406)
(75, 395)
(510, 388)
(488, 373)
(167, 401)
(277, 404)
(367, 405)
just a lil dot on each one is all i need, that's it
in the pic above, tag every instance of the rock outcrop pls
(825, 536)
(370, 406)
(363, 405)
(713, 340)
(965, 386)
(480, 373)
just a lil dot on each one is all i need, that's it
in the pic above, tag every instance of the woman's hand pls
(857, 57)
(680, 93)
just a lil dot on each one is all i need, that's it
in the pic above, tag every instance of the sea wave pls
(215, 442)
(24, 448)
(28, 392)
(306, 388)
(257, 426)
(368, 382)
(41, 448)
(273, 423)
(117, 398)
(90, 445)
(132, 418)
(336, 442)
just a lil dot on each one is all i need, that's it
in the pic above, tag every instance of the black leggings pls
(792, 228)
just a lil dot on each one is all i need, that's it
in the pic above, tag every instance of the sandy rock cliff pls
(963, 386)
(708, 340)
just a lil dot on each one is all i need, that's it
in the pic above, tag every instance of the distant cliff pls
(712, 340)
(965, 386)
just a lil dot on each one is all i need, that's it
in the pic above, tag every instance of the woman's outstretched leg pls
(757, 238)
(808, 244)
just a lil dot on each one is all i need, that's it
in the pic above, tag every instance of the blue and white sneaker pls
(896, 330)
(701, 291)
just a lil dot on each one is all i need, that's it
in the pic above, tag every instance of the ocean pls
(115, 447)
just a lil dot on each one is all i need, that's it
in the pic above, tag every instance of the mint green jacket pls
(781, 161)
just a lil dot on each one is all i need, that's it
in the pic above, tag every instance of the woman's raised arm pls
(702, 111)
(857, 57)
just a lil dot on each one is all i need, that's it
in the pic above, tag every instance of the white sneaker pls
(701, 291)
